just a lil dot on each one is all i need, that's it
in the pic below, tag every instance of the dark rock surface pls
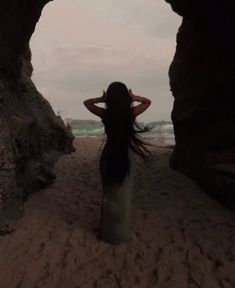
(31, 135)
(202, 78)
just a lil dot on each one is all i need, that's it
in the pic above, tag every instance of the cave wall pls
(31, 135)
(202, 79)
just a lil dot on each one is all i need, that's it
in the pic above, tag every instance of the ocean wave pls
(163, 131)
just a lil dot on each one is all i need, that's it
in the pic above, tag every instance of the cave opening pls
(32, 139)
(79, 48)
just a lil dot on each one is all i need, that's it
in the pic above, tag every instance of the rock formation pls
(202, 79)
(31, 135)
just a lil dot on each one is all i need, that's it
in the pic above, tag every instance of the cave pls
(201, 75)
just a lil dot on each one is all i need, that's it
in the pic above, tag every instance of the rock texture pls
(31, 135)
(202, 78)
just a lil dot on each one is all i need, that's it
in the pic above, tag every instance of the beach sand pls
(181, 237)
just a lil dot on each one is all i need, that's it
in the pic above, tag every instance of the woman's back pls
(117, 158)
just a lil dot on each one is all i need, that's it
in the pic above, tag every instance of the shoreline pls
(159, 143)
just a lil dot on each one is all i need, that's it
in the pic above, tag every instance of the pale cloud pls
(153, 16)
(80, 46)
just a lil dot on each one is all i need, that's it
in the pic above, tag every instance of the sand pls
(181, 237)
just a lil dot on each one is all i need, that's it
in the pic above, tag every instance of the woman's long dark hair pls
(122, 132)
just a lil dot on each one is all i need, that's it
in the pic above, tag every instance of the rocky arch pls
(201, 78)
(31, 135)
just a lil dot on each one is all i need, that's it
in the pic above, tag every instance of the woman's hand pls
(145, 103)
(103, 97)
(131, 94)
(139, 98)
(135, 97)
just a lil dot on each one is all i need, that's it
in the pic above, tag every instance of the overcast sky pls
(81, 46)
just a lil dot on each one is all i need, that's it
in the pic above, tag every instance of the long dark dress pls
(115, 219)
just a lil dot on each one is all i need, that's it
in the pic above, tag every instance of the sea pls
(161, 131)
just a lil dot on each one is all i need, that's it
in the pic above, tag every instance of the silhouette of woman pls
(116, 163)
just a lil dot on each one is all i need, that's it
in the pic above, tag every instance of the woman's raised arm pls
(145, 103)
(90, 105)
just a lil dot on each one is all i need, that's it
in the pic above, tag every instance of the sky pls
(80, 46)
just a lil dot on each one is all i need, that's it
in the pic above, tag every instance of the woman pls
(116, 163)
